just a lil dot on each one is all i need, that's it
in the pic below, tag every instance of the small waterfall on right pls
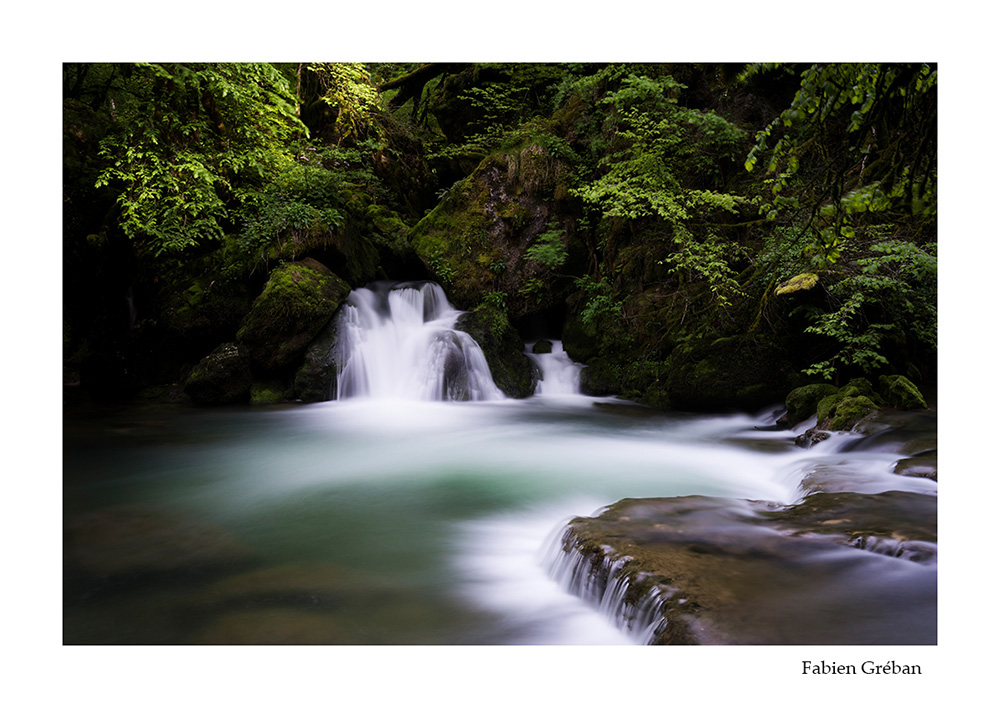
(558, 374)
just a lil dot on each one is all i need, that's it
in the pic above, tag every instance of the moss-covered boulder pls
(298, 301)
(542, 346)
(265, 393)
(222, 377)
(801, 403)
(840, 412)
(513, 372)
(600, 378)
(847, 406)
(738, 372)
(899, 392)
(479, 237)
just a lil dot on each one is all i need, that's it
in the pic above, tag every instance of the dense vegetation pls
(700, 235)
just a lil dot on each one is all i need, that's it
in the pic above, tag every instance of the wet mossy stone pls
(264, 393)
(737, 372)
(222, 377)
(899, 392)
(316, 379)
(478, 237)
(600, 378)
(298, 301)
(513, 372)
(801, 403)
(542, 346)
(843, 412)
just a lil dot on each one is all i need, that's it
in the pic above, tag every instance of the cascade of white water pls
(399, 341)
(558, 374)
(606, 587)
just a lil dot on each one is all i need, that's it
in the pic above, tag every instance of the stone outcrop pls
(727, 571)
(223, 377)
(738, 372)
(513, 372)
(297, 302)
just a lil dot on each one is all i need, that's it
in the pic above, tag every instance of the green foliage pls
(439, 264)
(548, 248)
(857, 140)
(708, 261)
(496, 299)
(656, 162)
(348, 88)
(500, 101)
(305, 200)
(187, 142)
(890, 292)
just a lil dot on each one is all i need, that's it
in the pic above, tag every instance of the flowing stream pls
(422, 507)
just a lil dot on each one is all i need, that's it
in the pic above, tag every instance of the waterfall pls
(398, 340)
(603, 583)
(558, 374)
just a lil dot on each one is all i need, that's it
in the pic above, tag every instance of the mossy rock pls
(600, 378)
(738, 372)
(476, 239)
(899, 392)
(297, 302)
(316, 379)
(222, 377)
(800, 283)
(513, 372)
(542, 346)
(265, 393)
(801, 403)
(843, 412)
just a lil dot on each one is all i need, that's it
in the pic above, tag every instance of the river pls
(391, 520)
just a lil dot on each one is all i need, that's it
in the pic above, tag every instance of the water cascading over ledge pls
(606, 584)
(398, 340)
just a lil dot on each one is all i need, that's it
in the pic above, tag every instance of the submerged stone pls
(135, 543)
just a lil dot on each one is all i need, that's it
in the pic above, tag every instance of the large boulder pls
(600, 378)
(800, 404)
(513, 372)
(503, 229)
(222, 377)
(899, 392)
(738, 372)
(297, 302)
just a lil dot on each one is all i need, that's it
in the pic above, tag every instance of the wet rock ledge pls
(837, 568)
